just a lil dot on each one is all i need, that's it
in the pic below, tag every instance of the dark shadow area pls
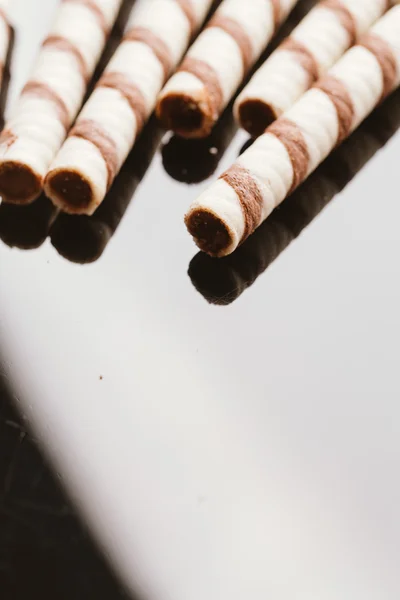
(45, 552)
(26, 227)
(83, 239)
(223, 280)
(194, 160)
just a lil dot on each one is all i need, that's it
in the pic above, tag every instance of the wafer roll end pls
(211, 234)
(185, 107)
(254, 115)
(70, 190)
(186, 115)
(77, 179)
(19, 183)
(215, 220)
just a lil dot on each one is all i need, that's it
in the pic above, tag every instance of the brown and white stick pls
(314, 46)
(221, 281)
(123, 100)
(52, 97)
(290, 149)
(216, 64)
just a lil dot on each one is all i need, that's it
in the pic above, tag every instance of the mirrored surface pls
(230, 429)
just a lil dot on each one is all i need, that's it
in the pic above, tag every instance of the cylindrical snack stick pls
(313, 47)
(121, 103)
(223, 280)
(217, 62)
(52, 97)
(292, 147)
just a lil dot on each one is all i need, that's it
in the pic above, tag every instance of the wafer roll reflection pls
(27, 227)
(218, 61)
(122, 102)
(193, 161)
(221, 281)
(83, 239)
(290, 149)
(51, 99)
(314, 46)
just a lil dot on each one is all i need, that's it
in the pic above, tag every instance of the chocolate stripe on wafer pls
(159, 47)
(277, 11)
(187, 8)
(290, 135)
(208, 77)
(340, 97)
(130, 91)
(386, 59)
(235, 30)
(93, 133)
(96, 10)
(249, 195)
(304, 56)
(61, 43)
(42, 90)
(7, 137)
(344, 16)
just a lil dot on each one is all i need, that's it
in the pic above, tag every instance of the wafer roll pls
(314, 46)
(52, 97)
(216, 64)
(83, 239)
(292, 147)
(123, 100)
(221, 281)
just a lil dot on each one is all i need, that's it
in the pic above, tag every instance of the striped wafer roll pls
(53, 95)
(292, 147)
(216, 64)
(222, 281)
(314, 46)
(83, 239)
(157, 36)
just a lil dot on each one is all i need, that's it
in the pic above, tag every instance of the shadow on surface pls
(194, 160)
(223, 280)
(45, 552)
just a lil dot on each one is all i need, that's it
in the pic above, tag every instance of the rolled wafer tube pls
(221, 281)
(217, 62)
(83, 239)
(53, 95)
(124, 98)
(292, 147)
(313, 47)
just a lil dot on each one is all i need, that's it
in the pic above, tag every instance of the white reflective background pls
(220, 452)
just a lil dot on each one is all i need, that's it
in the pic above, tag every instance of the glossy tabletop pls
(228, 429)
